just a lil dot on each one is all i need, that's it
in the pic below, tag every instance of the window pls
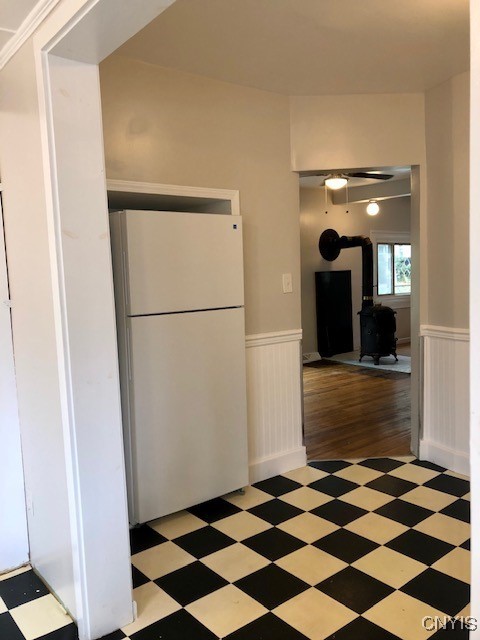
(393, 269)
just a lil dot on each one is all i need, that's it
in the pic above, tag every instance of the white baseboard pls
(403, 340)
(444, 456)
(278, 463)
(313, 356)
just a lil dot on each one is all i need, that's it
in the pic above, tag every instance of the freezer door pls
(182, 261)
(188, 421)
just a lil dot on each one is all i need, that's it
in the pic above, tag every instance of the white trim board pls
(275, 337)
(273, 465)
(152, 188)
(447, 333)
(447, 457)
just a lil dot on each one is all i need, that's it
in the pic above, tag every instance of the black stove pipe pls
(330, 245)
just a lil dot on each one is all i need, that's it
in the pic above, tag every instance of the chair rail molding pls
(274, 398)
(445, 438)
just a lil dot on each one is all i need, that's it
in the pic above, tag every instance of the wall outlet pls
(287, 283)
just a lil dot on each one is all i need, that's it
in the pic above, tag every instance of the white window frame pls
(388, 237)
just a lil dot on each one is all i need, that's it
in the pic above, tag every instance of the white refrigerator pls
(178, 281)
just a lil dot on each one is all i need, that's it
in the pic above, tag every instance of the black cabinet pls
(334, 312)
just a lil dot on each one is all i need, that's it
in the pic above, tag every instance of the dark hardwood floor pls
(352, 412)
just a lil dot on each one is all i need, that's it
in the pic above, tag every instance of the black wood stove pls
(377, 322)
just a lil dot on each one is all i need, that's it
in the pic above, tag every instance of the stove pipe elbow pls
(330, 244)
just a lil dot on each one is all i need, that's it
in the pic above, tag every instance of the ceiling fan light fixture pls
(336, 182)
(373, 208)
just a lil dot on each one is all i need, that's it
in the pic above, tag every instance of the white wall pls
(34, 326)
(394, 216)
(176, 128)
(13, 531)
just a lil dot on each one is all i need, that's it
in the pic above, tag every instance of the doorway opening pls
(357, 397)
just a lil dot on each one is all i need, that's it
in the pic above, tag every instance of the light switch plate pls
(287, 283)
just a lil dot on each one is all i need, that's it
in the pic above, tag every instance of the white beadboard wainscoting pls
(274, 395)
(446, 416)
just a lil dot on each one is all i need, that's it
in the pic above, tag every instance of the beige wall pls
(447, 138)
(394, 216)
(170, 127)
(27, 242)
(335, 132)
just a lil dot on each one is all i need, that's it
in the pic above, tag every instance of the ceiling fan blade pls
(373, 176)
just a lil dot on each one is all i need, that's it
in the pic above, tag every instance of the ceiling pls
(311, 47)
(12, 14)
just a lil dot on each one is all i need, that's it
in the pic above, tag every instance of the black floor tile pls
(204, 541)
(138, 578)
(330, 466)
(453, 630)
(466, 545)
(404, 512)
(355, 589)
(8, 628)
(144, 537)
(333, 486)
(277, 486)
(178, 626)
(443, 592)
(382, 464)
(21, 589)
(449, 484)
(391, 485)
(346, 545)
(273, 544)
(214, 510)
(70, 632)
(116, 635)
(339, 512)
(271, 586)
(428, 465)
(362, 629)
(191, 583)
(275, 511)
(460, 509)
(420, 547)
(268, 627)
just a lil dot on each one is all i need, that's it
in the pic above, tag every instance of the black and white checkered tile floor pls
(338, 550)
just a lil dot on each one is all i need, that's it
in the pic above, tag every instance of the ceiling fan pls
(339, 180)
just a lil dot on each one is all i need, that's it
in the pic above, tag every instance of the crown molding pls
(36, 16)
